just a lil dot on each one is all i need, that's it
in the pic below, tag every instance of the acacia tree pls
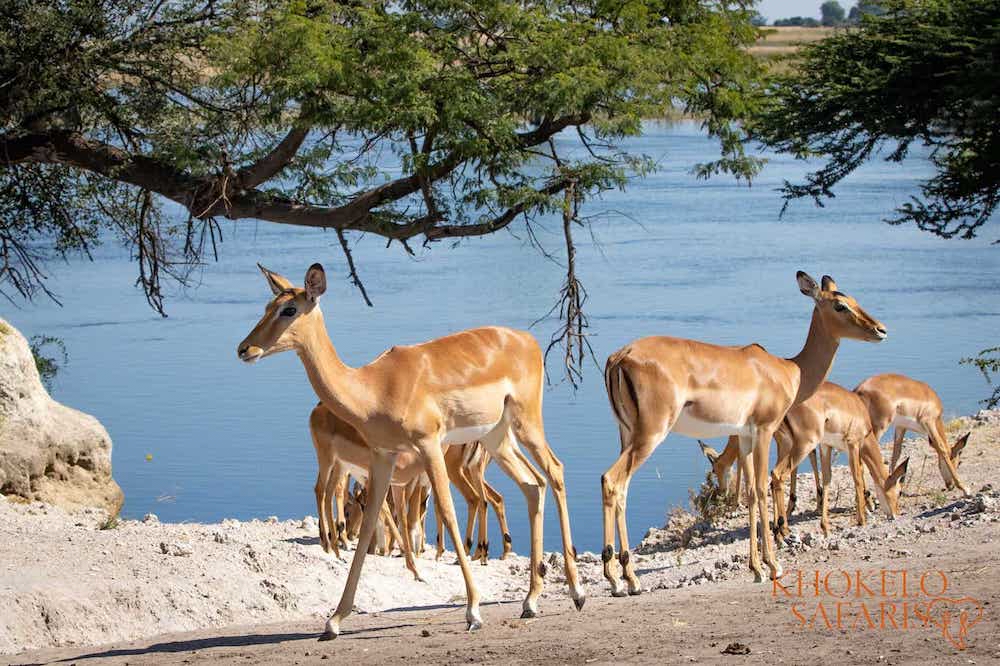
(919, 71)
(279, 110)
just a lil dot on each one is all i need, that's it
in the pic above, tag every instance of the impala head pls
(722, 468)
(956, 459)
(840, 314)
(891, 489)
(285, 316)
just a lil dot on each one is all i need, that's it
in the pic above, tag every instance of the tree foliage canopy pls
(923, 71)
(280, 110)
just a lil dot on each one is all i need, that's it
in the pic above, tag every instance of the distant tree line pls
(832, 14)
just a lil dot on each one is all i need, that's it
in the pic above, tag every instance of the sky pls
(773, 9)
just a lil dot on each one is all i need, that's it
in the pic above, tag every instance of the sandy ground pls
(256, 592)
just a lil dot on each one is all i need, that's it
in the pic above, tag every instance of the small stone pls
(271, 519)
(425, 633)
(151, 519)
(176, 549)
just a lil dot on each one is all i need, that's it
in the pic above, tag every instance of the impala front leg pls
(761, 451)
(826, 455)
(382, 464)
(430, 450)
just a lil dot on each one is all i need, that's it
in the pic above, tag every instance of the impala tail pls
(621, 391)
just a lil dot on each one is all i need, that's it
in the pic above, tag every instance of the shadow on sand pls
(190, 645)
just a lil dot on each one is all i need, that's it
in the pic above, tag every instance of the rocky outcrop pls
(48, 452)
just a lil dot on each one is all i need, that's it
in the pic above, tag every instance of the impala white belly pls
(834, 440)
(690, 426)
(468, 434)
(909, 424)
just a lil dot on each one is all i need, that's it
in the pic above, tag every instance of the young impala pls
(340, 451)
(833, 418)
(482, 384)
(659, 385)
(895, 400)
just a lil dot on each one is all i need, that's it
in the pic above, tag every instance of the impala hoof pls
(636, 592)
(619, 593)
(327, 636)
(579, 603)
(475, 625)
(527, 614)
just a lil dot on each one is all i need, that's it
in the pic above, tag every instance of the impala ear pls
(828, 283)
(315, 282)
(956, 450)
(709, 452)
(277, 282)
(807, 285)
(898, 475)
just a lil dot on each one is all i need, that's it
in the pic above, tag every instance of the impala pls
(833, 418)
(340, 451)
(481, 384)
(659, 385)
(907, 404)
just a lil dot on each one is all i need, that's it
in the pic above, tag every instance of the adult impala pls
(907, 404)
(659, 385)
(481, 384)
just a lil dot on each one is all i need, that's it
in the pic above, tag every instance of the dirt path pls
(700, 598)
(692, 624)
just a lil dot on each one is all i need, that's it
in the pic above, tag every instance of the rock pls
(983, 504)
(219, 537)
(808, 539)
(271, 519)
(176, 549)
(49, 452)
(737, 648)
(151, 518)
(308, 523)
(834, 545)
(708, 573)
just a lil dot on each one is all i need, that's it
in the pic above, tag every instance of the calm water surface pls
(708, 260)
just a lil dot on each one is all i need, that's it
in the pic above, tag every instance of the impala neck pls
(815, 359)
(333, 380)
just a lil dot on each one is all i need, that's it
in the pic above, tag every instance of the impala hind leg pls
(816, 479)
(532, 484)
(337, 488)
(495, 499)
(477, 472)
(528, 429)
(403, 533)
(382, 465)
(430, 451)
(636, 448)
(898, 435)
(939, 442)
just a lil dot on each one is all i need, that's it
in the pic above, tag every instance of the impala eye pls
(288, 312)
(839, 307)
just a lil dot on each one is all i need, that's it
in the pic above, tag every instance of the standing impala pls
(833, 418)
(481, 384)
(896, 400)
(659, 385)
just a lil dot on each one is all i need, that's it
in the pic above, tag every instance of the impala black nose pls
(242, 350)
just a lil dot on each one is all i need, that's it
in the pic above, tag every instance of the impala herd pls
(422, 416)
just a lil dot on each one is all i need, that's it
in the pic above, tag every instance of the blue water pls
(678, 256)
